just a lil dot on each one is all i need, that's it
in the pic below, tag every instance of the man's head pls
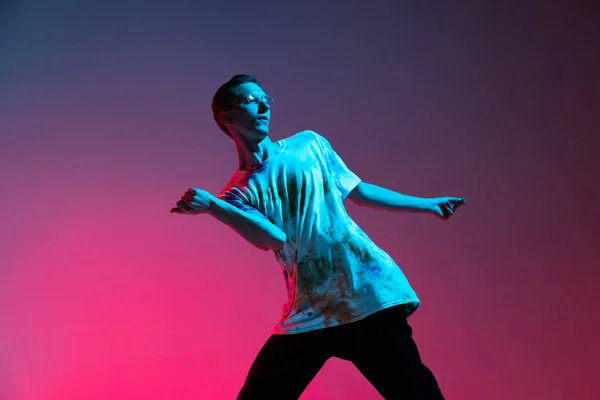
(241, 107)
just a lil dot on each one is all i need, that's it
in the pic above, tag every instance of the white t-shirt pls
(333, 271)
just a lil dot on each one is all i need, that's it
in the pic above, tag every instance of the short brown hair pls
(223, 98)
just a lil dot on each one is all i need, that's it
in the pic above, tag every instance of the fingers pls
(447, 210)
(187, 203)
(440, 213)
(190, 193)
(189, 196)
(458, 202)
(184, 206)
(451, 204)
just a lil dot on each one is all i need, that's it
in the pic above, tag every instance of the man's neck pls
(253, 155)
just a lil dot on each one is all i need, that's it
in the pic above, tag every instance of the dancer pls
(347, 298)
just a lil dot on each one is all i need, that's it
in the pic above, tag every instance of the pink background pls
(105, 122)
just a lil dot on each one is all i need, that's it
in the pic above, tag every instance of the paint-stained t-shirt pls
(333, 271)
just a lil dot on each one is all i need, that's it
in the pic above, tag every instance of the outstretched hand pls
(444, 207)
(194, 201)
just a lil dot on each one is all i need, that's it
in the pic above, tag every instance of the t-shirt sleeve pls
(229, 196)
(235, 200)
(344, 178)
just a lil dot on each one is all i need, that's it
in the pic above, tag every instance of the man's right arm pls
(256, 230)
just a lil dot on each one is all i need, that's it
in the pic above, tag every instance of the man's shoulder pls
(305, 141)
(236, 183)
(307, 135)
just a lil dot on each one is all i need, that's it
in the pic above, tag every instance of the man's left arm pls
(380, 198)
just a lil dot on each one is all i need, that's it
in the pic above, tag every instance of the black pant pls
(380, 346)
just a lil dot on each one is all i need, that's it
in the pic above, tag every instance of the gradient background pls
(105, 122)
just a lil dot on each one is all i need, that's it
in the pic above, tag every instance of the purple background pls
(105, 122)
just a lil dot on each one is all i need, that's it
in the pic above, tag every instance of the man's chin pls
(263, 133)
(257, 133)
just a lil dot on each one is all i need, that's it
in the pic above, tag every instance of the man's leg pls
(386, 354)
(285, 366)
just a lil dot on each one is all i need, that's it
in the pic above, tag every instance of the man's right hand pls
(193, 202)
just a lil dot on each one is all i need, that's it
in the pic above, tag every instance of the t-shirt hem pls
(277, 331)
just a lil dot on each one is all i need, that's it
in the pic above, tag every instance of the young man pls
(346, 297)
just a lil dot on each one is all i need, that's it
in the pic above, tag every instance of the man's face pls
(251, 111)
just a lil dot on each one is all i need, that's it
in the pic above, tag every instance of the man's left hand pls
(444, 207)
